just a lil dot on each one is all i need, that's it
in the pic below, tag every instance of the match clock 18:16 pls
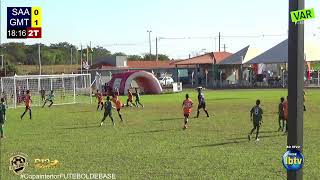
(22, 33)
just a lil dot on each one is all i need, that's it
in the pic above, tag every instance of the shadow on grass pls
(82, 127)
(169, 119)
(270, 136)
(152, 131)
(268, 131)
(254, 135)
(221, 99)
(237, 140)
(220, 144)
(85, 111)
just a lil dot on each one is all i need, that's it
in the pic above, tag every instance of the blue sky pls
(110, 22)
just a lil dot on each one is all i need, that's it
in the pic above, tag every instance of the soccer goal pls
(68, 89)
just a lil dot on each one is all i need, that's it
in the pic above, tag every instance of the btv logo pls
(292, 160)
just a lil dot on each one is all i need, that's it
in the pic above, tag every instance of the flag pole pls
(81, 59)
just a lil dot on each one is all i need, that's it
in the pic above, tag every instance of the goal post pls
(68, 89)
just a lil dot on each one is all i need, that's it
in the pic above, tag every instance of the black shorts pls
(186, 115)
(256, 123)
(281, 117)
(202, 105)
(106, 113)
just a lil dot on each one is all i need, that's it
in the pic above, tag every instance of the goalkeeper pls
(49, 98)
(2, 117)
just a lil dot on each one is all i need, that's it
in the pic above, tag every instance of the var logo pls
(301, 15)
(292, 160)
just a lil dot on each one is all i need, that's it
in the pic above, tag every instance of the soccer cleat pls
(257, 139)
(114, 124)
(101, 124)
(279, 129)
(249, 137)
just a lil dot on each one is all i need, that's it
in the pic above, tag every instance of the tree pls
(60, 53)
(161, 57)
(134, 58)
(119, 54)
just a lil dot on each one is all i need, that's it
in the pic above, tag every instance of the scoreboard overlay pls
(24, 22)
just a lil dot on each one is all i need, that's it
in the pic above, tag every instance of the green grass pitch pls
(152, 145)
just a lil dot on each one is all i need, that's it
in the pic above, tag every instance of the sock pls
(30, 113)
(198, 113)
(1, 130)
(186, 121)
(111, 119)
(252, 130)
(104, 118)
(206, 113)
(23, 114)
(257, 134)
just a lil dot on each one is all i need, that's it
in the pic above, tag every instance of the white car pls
(165, 81)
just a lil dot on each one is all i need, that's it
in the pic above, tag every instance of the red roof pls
(208, 58)
(151, 64)
(140, 65)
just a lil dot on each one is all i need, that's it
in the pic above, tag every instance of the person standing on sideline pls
(281, 114)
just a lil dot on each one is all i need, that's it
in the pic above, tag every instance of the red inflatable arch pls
(145, 80)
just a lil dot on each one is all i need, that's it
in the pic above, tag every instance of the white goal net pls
(67, 88)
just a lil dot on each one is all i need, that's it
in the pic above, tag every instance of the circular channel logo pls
(293, 160)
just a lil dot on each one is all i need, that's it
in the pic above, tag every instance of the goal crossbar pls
(67, 88)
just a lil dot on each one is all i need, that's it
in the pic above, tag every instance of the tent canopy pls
(236, 58)
(312, 50)
(276, 55)
(251, 53)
